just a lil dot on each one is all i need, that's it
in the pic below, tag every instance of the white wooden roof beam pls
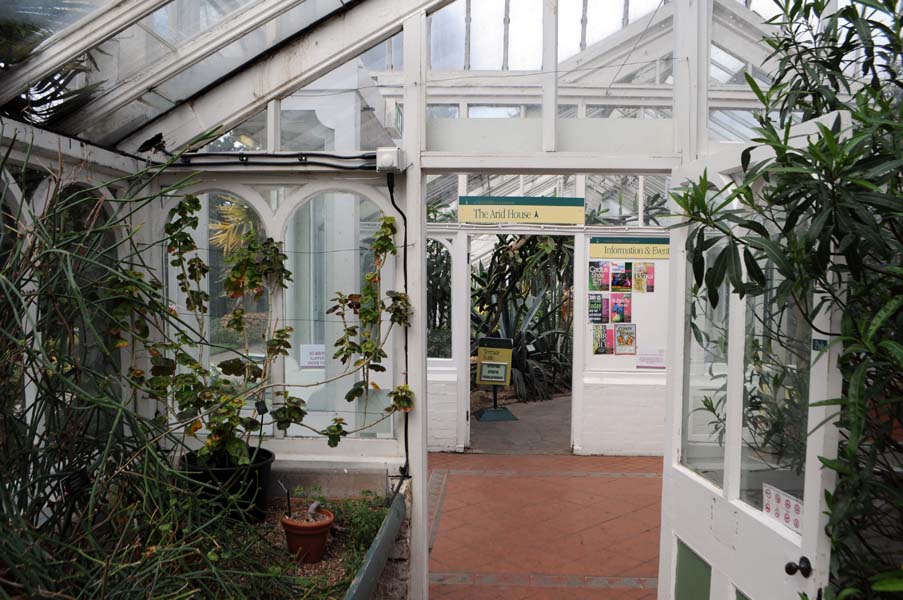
(224, 33)
(548, 163)
(327, 46)
(44, 148)
(73, 41)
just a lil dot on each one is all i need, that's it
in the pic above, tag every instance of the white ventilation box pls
(389, 160)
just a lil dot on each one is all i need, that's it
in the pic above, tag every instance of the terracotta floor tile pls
(536, 527)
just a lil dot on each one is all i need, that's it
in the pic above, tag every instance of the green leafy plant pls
(214, 399)
(92, 504)
(815, 230)
(524, 293)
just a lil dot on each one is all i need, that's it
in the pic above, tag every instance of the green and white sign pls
(494, 372)
(521, 209)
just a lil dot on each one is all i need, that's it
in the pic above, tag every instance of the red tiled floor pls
(478, 592)
(512, 527)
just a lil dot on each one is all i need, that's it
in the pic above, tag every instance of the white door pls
(743, 487)
(448, 360)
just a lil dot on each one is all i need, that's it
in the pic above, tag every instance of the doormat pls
(494, 414)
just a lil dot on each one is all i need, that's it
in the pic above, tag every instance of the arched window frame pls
(392, 280)
(275, 222)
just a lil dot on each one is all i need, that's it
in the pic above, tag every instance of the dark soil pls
(331, 576)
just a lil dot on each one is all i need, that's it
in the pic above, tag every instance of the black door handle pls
(803, 567)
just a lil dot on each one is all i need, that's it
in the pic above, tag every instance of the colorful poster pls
(625, 338)
(598, 308)
(603, 339)
(599, 275)
(643, 277)
(621, 277)
(621, 308)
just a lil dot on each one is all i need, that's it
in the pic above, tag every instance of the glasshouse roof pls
(116, 73)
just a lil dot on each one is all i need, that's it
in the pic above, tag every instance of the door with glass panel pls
(743, 486)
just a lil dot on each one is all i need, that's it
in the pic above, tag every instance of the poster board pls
(626, 303)
(494, 361)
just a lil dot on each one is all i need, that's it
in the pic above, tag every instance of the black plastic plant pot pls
(245, 487)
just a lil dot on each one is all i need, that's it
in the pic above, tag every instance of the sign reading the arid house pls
(649, 248)
(520, 209)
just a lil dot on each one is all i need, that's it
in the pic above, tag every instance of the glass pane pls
(377, 57)
(346, 110)
(525, 35)
(704, 404)
(612, 199)
(570, 13)
(693, 575)
(327, 241)
(567, 111)
(487, 34)
(602, 20)
(438, 300)
(641, 8)
(397, 51)
(764, 8)
(36, 20)
(250, 136)
(593, 68)
(628, 112)
(486, 111)
(230, 218)
(447, 38)
(656, 194)
(442, 111)
(775, 402)
(159, 36)
(219, 64)
(442, 198)
(386, 56)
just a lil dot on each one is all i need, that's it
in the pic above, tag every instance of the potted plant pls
(306, 534)
(211, 401)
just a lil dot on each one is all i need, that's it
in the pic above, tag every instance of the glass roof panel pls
(764, 8)
(159, 36)
(487, 36)
(213, 67)
(30, 22)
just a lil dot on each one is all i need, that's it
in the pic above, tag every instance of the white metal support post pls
(274, 126)
(415, 50)
(549, 75)
(461, 335)
(692, 36)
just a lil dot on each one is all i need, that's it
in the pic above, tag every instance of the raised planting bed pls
(359, 542)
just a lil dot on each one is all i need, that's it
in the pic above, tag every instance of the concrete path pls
(544, 527)
(542, 428)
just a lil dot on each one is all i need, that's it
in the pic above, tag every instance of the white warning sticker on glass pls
(782, 507)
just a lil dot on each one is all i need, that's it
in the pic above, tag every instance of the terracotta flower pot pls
(307, 541)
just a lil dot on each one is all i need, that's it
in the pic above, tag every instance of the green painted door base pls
(694, 575)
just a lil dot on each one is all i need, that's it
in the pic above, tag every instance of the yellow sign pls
(630, 248)
(521, 209)
(494, 361)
